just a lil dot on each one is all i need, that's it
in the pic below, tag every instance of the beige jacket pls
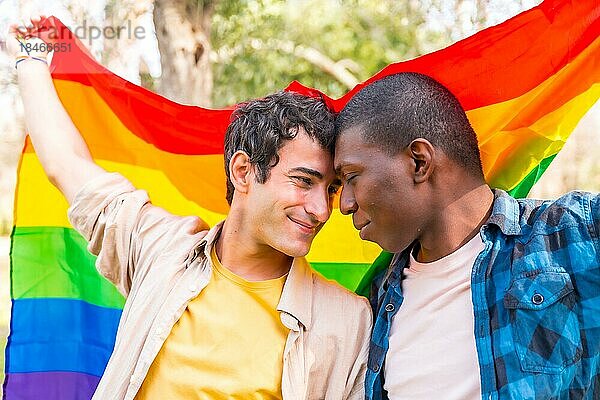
(160, 262)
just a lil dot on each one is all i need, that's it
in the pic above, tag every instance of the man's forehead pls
(349, 146)
(352, 139)
(315, 162)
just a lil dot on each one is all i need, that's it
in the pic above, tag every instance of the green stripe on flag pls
(54, 262)
(522, 189)
(347, 274)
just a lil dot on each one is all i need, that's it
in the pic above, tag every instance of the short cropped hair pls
(395, 110)
(261, 127)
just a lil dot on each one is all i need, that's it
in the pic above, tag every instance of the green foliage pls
(254, 42)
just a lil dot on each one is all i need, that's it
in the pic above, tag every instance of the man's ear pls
(240, 171)
(422, 152)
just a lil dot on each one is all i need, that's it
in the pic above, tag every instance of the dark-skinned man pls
(487, 297)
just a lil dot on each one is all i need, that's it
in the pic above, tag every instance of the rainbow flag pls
(524, 83)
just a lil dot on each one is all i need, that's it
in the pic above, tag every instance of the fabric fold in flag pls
(524, 84)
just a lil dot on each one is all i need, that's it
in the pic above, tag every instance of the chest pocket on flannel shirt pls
(543, 316)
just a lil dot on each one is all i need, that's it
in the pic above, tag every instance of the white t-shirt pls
(432, 353)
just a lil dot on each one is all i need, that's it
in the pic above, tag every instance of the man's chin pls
(367, 234)
(296, 250)
(384, 243)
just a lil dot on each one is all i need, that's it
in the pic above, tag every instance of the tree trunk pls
(121, 53)
(183, 32)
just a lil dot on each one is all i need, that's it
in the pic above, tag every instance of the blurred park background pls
(215, 53)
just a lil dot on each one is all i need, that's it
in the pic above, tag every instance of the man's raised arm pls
(58, 144)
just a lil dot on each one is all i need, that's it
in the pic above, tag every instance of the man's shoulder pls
(331, 294)
(569, 210)
(557, 235)
(339, 313)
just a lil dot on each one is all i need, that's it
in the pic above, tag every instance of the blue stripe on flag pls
(60, 335)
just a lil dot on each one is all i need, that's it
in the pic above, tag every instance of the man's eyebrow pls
(307, 171)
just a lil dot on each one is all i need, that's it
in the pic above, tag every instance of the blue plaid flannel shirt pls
(536, 296)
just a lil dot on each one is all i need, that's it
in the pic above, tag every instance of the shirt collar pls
(295, 303)
(296, 298)
(505, 213)
(209, 240)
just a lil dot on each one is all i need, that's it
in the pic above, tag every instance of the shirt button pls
(193, 288)
(389, 307)
(376, 368)
(537, 299)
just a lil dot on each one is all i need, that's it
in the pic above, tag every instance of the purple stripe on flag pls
(49, 386)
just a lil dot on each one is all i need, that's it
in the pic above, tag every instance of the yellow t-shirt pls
(228, 344)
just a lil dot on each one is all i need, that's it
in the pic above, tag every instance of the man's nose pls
(319, 206)
(347, 201)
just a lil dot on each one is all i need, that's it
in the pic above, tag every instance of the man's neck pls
(457, 220)
(239, 252)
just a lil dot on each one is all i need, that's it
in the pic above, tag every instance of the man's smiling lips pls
(360, 227)
(304, 226)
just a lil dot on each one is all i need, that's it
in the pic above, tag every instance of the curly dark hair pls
(261, 127)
